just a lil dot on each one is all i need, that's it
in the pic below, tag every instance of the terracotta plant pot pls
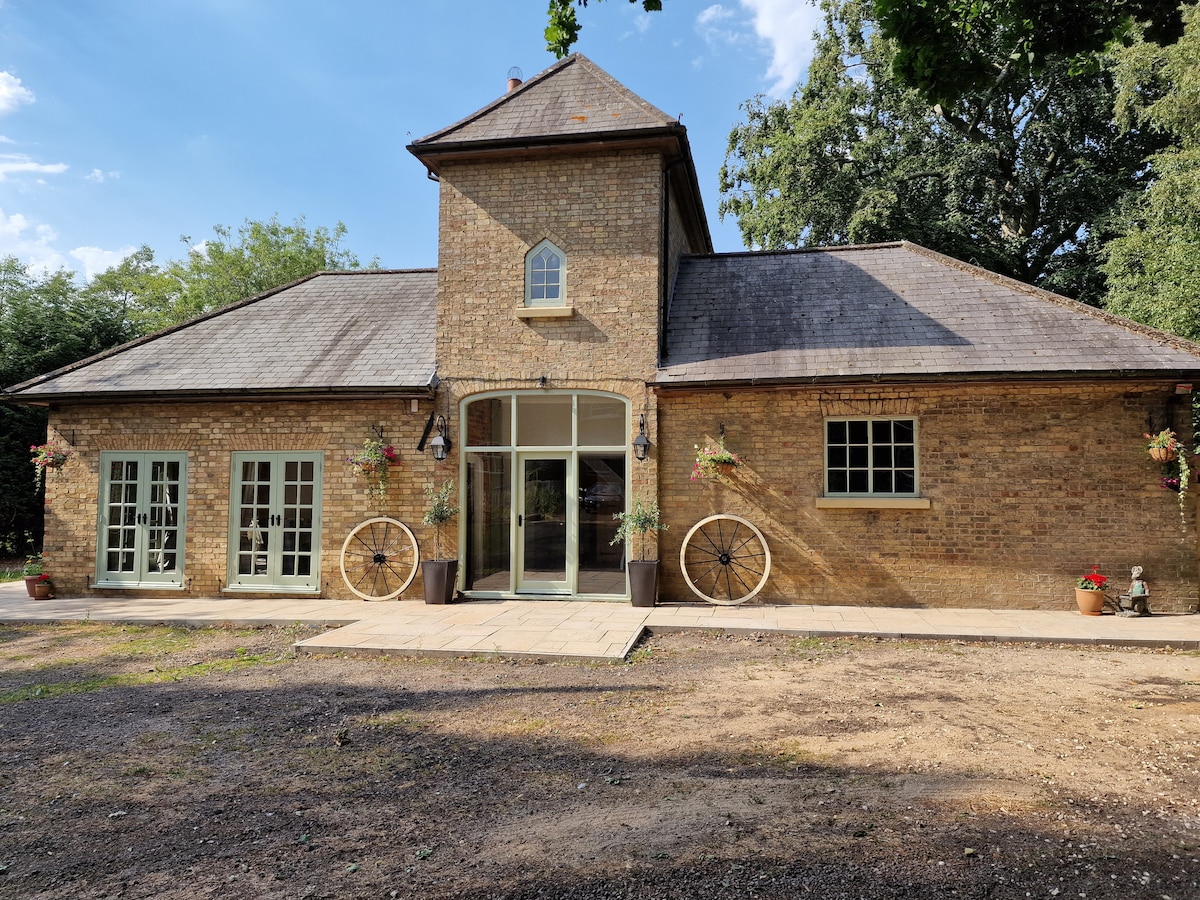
(643, 582)
(38, 589)
(1091, 603)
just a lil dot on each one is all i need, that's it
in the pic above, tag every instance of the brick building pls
(914, 430)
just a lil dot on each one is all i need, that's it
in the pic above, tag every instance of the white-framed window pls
(545, 276)
(874, 457)
(143, 503)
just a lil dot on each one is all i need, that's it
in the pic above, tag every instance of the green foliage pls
(1153, 267)
(949, 48)
(643, 518)
(46, 322)
(258, 257)
(1016, 179)
(440, 511)
(562, 29)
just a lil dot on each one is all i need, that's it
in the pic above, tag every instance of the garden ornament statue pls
(1134, 602)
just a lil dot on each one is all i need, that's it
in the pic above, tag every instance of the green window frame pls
(142, 519)
(275, 521)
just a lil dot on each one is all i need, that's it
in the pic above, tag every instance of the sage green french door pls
(545, 524)
(275, 528)
(141, 528)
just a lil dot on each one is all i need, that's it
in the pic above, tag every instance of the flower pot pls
(1162, 454)
(439, 577)
(30, 581)
(725, 469)
(643, 582)
(1090, 602)
(38, 588)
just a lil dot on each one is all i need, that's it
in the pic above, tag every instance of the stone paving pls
(558, 629)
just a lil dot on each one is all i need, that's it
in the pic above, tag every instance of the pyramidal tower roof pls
(571, 102)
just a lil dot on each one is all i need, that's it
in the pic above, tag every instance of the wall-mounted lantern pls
(440, 444)
(641, 443)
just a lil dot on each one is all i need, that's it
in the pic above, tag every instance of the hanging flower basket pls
(50, 456)
(373, 462)
(714, 462)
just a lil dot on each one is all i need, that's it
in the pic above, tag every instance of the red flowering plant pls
(1092, 581)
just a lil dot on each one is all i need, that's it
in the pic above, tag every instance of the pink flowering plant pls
(1092, 581)
(710, 460)
(47, 456)
(372, 461)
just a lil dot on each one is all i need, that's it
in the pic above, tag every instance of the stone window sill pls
(545, 312)
(872, 503)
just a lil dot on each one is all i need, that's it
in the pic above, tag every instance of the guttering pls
(258, 395)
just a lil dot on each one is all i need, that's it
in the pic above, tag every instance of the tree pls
(259, 257)
(562, 29)
(45, 323)
(948, 48)
(1018, 179)
(1153, 268)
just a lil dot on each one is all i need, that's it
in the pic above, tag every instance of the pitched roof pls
(572, 99)
(890, 311)
(355, 332)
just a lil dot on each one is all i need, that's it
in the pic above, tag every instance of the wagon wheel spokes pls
(725, 560)
(379, 559)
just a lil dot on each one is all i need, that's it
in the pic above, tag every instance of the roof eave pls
(416, 392)
(1074, 375)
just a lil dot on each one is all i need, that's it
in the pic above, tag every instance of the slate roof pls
(352, 333)
(888, 311)
(572, 99)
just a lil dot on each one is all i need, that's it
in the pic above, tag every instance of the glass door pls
(142, 519)
(545, 524)
(275, 533)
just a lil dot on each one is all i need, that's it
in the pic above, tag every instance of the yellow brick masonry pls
(209, 433)
(1021, 502)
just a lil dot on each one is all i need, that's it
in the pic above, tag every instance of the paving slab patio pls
(562, 629)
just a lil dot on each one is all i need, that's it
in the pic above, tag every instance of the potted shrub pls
(1089, 592)
(643, 573)
(37, 582)
(439, 575)
(714, 462)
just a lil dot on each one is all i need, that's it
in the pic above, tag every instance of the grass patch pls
(87, 685)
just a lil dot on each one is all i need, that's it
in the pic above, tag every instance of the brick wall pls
(1029, 485)
(209, 433)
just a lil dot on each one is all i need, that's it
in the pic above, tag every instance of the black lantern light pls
(641, 443)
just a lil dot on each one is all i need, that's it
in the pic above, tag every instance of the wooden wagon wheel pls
(725, 560)
(379, 559)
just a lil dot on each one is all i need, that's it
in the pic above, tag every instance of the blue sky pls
(130, 122)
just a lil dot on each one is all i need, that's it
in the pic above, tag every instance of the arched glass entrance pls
(545, 471)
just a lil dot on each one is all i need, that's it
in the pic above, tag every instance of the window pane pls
(858, 482)
(906, 482)
(858, 432)
(837, 432)
(838, 482)
(906, 457)
(602, 422)
(544, 421)
(881, 431)
(489, 422)
(903, 431)
(883, 482)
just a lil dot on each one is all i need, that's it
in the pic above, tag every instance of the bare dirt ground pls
(174, 763)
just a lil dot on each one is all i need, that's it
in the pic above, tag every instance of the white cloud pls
(32, 244)
(717, 24)
(101, 176)
(19, 163)
(96, 260)
(787, 27)
(12, 93)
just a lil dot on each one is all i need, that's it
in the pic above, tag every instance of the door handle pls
(520, 520)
